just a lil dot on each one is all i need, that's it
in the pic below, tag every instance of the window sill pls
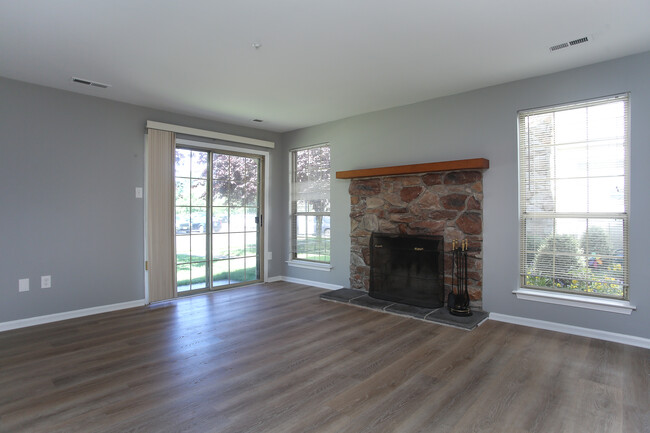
(579, 301)
(310, 265)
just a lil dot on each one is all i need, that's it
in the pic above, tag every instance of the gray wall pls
(483, 124)
(69, 165)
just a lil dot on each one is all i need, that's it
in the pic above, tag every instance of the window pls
(310, 204)
(218, 210)
(574, 197)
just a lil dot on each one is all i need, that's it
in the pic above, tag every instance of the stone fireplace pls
(443, 199)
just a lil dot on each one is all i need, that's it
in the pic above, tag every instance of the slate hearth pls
(440, 315)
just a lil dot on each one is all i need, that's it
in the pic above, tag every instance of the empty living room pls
(361, 216)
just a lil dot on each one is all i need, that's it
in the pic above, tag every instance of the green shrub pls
(571, 271)
(596, 242)
(565, 265)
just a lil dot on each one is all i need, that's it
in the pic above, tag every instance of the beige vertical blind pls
(574, 197)
(160, 214)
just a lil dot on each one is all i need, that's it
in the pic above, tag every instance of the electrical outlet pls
(23, 285)
(46, 281)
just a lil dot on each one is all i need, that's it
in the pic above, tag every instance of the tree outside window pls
(310, 204)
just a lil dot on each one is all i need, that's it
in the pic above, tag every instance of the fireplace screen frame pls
(413, 275)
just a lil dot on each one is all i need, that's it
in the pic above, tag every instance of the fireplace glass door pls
(407, 269)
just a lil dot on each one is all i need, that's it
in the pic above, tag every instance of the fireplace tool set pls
(458, 299)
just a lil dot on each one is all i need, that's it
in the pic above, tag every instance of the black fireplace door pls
(408, 269)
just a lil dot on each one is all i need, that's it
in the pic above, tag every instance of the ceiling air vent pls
(90, 83)
(559, 46)
(579, 41)
(569, 44)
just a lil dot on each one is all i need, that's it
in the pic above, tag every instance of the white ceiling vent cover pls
(578, 41)
(90, 83)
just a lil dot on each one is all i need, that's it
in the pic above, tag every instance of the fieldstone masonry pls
(444, 203)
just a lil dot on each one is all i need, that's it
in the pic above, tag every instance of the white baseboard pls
(574, 330)
(39, 320)
(274, 279)
(306, 282)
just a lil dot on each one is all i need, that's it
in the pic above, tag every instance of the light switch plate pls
(138, 192)
(46, 281)
(23, 285)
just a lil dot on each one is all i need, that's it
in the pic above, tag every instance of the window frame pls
(294, 260)
(226, 149)
(562, 295)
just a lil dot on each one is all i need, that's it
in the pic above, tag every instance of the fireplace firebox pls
(408, 269)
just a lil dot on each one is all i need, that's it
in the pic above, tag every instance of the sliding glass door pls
(218, 219)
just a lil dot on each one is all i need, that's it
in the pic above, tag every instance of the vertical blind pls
(574, 197)
(310, 204)
(160, 214)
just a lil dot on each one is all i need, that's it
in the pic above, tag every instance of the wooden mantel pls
(460, 164)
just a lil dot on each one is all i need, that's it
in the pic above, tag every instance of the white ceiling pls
(320, 60)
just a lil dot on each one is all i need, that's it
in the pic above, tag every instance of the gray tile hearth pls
(342, 295)
(441, 315)
(368, 302)
(409, 310)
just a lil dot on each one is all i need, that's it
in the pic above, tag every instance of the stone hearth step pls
(440, 315)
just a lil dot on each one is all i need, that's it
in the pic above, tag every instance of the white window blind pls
(574, 197)
(310, 204)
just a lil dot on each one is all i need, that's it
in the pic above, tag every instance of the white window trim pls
(267, 209)
(621, 306)
(298, 263)
(580, 301)
(310, 265)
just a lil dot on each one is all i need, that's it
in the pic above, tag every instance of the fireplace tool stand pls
(458, 299)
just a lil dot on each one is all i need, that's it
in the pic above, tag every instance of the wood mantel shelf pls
(460, 164)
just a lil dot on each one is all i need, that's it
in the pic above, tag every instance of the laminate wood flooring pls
(275, 358)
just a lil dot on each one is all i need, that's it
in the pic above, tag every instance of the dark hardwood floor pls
(275, 358)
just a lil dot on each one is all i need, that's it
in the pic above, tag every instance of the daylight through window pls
(310, 204)
(574, 197)
(218, 205)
